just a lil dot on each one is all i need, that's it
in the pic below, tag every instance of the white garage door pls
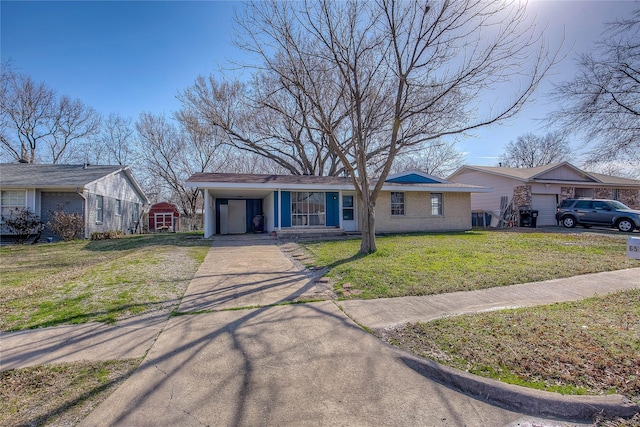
(545, 204)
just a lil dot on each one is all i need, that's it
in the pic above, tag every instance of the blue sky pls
(134, 56)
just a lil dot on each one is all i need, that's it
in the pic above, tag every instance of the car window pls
(583, 204)
(617, 205)
(566, 203)
(601, 206)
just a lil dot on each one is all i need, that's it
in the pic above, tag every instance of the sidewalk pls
(392, 312)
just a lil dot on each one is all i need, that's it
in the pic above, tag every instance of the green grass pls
(424, 264)
(75, 282)
(583, 347)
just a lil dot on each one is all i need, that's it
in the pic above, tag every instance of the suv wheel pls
(568, 222)
(625, 225)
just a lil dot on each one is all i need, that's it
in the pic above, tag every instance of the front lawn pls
(60, 283)
(424, 264)
(581, 347)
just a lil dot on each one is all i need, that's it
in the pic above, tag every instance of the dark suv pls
(588, 212)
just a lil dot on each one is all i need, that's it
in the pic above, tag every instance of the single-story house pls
(542, 188)
(409, 201)
(164, 216)
(108, 197)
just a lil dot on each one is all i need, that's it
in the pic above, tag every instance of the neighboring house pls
(542, 188)
(108, 197)
(410, 201)
(164, 216)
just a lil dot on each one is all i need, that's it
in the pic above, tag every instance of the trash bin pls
(495, 219)
(525, 216)
(258, 223)
(534, 219)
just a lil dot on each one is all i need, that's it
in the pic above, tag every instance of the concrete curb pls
(522, 399)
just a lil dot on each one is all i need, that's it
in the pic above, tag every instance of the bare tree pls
(28, 110)
(170, 154)
(116, 139)
(384, 76)
(266, 118)
(530, 150)
(36, 125)
(625, 169)
(74, 122)
(602, 102)
(437, 158)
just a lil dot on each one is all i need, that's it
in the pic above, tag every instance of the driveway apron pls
(304, 364)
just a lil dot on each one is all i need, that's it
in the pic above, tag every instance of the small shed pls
(164, 216)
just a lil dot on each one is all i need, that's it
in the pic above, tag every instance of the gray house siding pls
(126, 221)
(76, 189)
(51, 201)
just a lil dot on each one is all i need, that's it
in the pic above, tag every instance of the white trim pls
(278, 206)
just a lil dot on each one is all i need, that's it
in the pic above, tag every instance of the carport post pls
(207, 214)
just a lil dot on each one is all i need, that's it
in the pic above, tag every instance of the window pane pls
(347, 201)
(307, 208)
(13, 198)
(436, 204)
(397, 203)
(99, 209)
(584, 204)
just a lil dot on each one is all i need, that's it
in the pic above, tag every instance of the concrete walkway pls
(391, 312)
(306, 364)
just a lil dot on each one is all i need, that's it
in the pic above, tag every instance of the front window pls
(347, 208)
(397, 203)
(99, 209)
(436, 204)
(10, 200)
(307, 208)
(118, 207)
(583, 193)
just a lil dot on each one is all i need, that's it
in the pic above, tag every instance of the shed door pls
(163, 220)
(545, 204)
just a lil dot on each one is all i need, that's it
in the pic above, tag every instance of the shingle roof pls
(267, 179)
(24, 175)
(530, 174)
(210, 180)
(609, 179)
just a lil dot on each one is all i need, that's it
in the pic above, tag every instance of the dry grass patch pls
(60, 395)
(51, 284)
(584, 347)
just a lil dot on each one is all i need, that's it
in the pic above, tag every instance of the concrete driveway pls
(304, 364)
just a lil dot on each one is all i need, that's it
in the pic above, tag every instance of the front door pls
(349, 216)
(237, 217)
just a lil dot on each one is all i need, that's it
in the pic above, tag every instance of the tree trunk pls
(368, 224)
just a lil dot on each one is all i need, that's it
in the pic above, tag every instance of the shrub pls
(22, 223)
(67, 225)
(106, 235)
